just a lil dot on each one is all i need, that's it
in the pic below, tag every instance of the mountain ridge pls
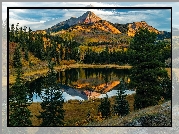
(86, 18)
(91, 22)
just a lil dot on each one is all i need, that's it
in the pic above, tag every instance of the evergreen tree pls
(52, 101)
(26, 55)
(12, 33)
(19, 114)
(61, 52)
(104, 107)
(148, 73)
(17, 58)
(106, 52)
(106, 75)
(121, 106)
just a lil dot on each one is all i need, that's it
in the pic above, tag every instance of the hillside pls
(90, 28)
(87, 18)
(159, 115)
(133, 27)
(99, 27)
(100, 31)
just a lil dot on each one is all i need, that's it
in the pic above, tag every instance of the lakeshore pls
(34, 74)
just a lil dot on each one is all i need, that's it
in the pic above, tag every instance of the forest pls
(144, 52)
(60, 48)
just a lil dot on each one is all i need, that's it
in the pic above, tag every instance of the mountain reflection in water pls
(70, 93)
(82, 83)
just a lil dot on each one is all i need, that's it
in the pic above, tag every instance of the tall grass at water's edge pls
(76, 111)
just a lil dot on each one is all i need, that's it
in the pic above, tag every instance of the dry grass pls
(164, 109)
(31, 74)
(76, 112)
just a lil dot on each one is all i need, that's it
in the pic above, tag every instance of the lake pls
(84, 83)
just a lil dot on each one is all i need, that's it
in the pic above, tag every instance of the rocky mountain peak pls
(86, 18)
(89, 17)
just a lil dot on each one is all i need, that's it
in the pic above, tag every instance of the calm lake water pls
(77, 81)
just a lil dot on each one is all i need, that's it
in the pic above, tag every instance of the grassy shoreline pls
(34, 74)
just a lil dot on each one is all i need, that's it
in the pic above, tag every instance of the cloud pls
(23, 23)
(159, 4)
(52, 17)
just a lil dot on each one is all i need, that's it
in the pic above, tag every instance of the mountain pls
(100, 31)
(91, 28)
(133, 27)
(87, 18)
(101, 26)
(86, 29)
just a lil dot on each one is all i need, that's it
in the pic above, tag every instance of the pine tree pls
(106, 54)
(148, 74)
(104, 107)
(12, 33)
(121, 106)
(52, 101)
(26, 55)
(19, 114)
(17, 58)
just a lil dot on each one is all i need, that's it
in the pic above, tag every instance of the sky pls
(45, 18)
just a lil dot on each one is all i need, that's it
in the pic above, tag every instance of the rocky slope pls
(86, 18)
(98, 27)
(159, 115)
(133, 28)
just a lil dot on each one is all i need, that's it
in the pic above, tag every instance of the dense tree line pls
(41, 44)
(106, 57)
(65, 48)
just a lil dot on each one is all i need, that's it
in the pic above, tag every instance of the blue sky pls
(45, 18)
